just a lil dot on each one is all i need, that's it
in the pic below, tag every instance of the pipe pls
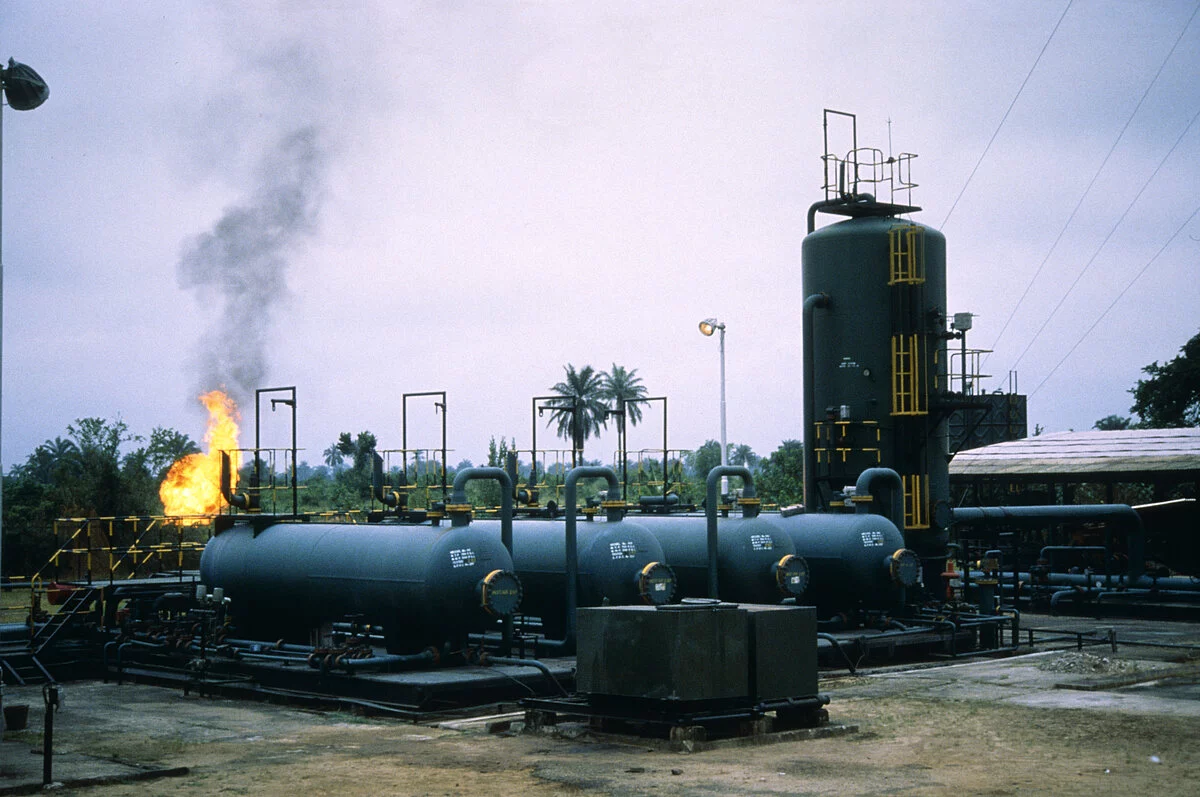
(749, 496)
(837, 645)
(1121, 514)
(240, 500)
(486, 660)
(811, 304)
(868, 483)
(567, 644)
(427, 656)
(460, 515)
(389, 499)
(458, 500)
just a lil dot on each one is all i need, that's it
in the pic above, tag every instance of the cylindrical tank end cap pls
(904, 566)
(500, 593)
(791, 574)
(656, 584)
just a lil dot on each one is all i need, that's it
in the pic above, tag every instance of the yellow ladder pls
(906, 243)
(909, 381)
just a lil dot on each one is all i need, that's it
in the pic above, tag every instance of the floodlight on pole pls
(707, 327)
(24, 90)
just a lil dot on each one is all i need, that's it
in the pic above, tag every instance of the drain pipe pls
(749, 510)
(811, 305)
(459, 509)
(869, 483)
(1119, 514)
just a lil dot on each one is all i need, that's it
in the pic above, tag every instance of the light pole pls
(25, 90)
(707, 327)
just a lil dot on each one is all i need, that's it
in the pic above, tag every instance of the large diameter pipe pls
(1121, 515)
(572, 549)
(458, 503)
(458, 499)
(710, 512)
(870, 482)
(811, 305)
(389, 498)
(240, 500)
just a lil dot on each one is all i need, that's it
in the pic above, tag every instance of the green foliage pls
(704, 459)
(84, 475)
(1170, 397)
(744, 455)
(623, 388)
(486, 492)
(1113, 423)
(352, 486)
(781, 478)
(581, 412)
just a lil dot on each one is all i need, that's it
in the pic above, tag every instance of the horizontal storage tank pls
(756, 562)
(856, 561)
(427, 586)
(620, 564)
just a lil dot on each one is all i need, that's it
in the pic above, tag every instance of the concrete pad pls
(21, 769)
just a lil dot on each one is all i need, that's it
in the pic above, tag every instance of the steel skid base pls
(676, 721)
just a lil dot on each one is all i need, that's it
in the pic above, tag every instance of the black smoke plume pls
(243, 262)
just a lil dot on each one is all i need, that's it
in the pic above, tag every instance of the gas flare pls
(193, 485)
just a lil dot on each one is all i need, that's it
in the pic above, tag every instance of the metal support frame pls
(291, 403)
(437, 405)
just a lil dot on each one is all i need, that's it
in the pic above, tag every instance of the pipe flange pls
(904, 566)
(792, 575)
(656, 584)
(500, 593)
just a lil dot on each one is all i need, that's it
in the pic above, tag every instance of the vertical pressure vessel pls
(875, 318)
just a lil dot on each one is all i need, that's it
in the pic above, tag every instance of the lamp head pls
(23, 88)
(710, 325)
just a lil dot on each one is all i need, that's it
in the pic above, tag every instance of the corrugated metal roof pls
(1128, 451)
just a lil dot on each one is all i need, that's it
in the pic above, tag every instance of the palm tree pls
(581, 412)
(334, 458)
(623, 388)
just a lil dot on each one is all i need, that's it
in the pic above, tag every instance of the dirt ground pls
(993, 728)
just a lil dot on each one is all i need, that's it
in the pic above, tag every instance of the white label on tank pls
(872, 539)
(622, 550)
(761, 542)
(462, 557)
(660, 587)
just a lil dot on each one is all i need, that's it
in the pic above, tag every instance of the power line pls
(1104, 243)
(1079, 204)
(1124, 290)
(1006, 113)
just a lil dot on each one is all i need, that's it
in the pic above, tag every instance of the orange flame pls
(193, 485)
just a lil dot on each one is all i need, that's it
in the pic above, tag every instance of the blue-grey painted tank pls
(877, 355)
(425, 585)
(856, 561)
(620, 563)
(753, 564)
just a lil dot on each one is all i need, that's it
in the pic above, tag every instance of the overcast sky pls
(365, 199)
